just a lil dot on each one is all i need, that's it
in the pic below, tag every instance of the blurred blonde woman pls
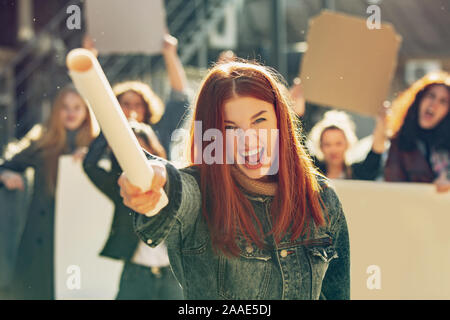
(332, 137)
(70, 130)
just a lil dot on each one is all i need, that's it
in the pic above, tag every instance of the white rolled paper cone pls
(91, 82)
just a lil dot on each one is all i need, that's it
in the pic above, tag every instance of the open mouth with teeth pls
(428, 114)
(252, 158)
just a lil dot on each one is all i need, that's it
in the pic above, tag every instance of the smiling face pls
(333, 145)
(73, 111)
(251, 137)
(133, 106)
(434, 106)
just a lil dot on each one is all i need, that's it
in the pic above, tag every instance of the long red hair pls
(225, 207)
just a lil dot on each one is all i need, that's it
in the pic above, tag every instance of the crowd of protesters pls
(214, 224)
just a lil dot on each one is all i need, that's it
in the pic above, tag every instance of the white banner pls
(118, 26)
(399, 239)
(83, 217)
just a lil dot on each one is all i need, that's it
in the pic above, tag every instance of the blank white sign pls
(399, 233)
(83, 217)
(123, 27)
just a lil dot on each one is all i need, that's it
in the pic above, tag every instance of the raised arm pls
(379, 133)
(297, 96)
(370, 167)
(175, 70)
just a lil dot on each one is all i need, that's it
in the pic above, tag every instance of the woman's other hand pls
(88, 43)
(442, 183)
(80, 153)
(12, 180)
(380, 131)
(170, 45)
(296, 92)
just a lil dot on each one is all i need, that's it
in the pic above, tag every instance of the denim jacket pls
(314, 268)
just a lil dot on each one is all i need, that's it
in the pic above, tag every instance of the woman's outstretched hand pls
(143, 202)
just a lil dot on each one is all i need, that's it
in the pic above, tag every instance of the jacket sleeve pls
(22, 160)
(369, 168)
(105, 181)
(181, 213)
(393, 169)
(336, 283)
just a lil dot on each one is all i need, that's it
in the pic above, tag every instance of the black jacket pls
(368, 169)
(34, 265)
(122, 241)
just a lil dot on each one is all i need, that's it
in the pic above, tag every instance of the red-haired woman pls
(70, 130)
(420, 148)
(256, 222)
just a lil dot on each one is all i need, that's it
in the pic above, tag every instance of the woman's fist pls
(143, 202)
(170, 44)
(12, 180)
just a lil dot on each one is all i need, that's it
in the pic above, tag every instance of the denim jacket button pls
(283, 253)
(249, 249)
(149, 241)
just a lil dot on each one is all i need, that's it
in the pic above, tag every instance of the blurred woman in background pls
(334, 136)
(146, 274)
(70, 130)
(140, 103)
(420, 125)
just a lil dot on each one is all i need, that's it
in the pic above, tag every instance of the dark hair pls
(410, 130)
